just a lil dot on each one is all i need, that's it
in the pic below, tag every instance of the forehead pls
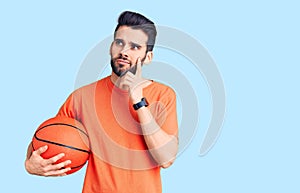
(131, 35)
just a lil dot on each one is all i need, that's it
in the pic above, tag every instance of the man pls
(131, 121)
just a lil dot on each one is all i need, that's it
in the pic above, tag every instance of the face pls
(128, 45)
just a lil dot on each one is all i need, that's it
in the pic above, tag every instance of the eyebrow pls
(135, 44)
(118, 39)
(131, 43)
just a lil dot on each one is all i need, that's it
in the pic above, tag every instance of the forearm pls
(29, 151)
(162, 146)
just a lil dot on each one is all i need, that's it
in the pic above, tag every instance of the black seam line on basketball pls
(63, 145)
(32, 146)
(65, 125)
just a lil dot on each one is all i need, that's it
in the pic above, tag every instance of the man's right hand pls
(37, 165)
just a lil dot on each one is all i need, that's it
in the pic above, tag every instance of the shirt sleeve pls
(70, 107)
(165, 113)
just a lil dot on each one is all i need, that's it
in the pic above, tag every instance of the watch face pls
(140, 104)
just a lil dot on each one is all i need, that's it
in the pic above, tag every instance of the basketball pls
(63, 135)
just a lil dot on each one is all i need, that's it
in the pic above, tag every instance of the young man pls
(131, 121)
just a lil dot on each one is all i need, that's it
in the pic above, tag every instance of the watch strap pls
(140, 104)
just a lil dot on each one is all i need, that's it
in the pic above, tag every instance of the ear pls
(149, 57)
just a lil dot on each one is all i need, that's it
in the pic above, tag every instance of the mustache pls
(122, 58)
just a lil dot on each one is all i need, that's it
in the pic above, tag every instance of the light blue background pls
(254, 43)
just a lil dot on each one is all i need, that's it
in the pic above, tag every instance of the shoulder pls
(91, 86)
(161, 87)
(160, 91)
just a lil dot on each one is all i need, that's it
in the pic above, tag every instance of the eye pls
(135, 47)
(119, 42)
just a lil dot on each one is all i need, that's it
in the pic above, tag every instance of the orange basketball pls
(63, 135)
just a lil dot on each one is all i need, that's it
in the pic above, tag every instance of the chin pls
(119, 72)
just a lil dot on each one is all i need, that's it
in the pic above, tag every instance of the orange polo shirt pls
(120, 161)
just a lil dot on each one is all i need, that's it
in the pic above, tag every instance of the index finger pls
(139, 67)
(41, 150)
(54, 159)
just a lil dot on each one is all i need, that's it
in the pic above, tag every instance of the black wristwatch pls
(140, 104)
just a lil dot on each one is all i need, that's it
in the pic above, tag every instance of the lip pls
(123, 62)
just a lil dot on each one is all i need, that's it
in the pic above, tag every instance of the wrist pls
(135, 100)
(142, 102)
(27, 166)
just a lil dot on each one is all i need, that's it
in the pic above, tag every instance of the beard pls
(117, 68)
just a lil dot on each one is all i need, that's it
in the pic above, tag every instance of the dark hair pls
(138, 21)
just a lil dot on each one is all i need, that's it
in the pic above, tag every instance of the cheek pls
(138, 54)
(114, 51)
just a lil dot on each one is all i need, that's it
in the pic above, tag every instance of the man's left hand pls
(134, 83)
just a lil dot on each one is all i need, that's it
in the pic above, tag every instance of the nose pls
(123, 52)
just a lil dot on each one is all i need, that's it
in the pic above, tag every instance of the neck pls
(116, 81)
(114, 78)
